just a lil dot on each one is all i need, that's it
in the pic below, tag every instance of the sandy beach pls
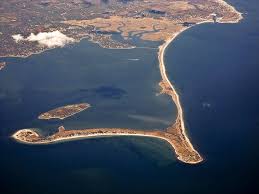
(175, 135)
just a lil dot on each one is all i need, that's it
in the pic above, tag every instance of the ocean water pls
(120, 85)
(215, 70)
(122, 88)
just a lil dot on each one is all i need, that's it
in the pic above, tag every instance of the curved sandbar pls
(174, 134)
(182, 150)
(168, 88)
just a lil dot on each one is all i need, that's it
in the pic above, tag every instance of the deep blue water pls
(215, 69)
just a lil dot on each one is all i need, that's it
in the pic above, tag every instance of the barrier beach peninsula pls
(165, 29)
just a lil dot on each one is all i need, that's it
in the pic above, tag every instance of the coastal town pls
(26, 27)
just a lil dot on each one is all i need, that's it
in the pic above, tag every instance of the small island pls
(2, 65)
(64, 111)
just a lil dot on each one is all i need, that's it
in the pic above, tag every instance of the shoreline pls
(58, 47)
(175, 134)
(120, 133)
(232, 8)
(176, 99)
(161, 53)
(64, 112)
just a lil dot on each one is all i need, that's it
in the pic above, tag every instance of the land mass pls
(175, 134)
(182, 149)
(64, 111)
(152, 20)
(28, 27)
